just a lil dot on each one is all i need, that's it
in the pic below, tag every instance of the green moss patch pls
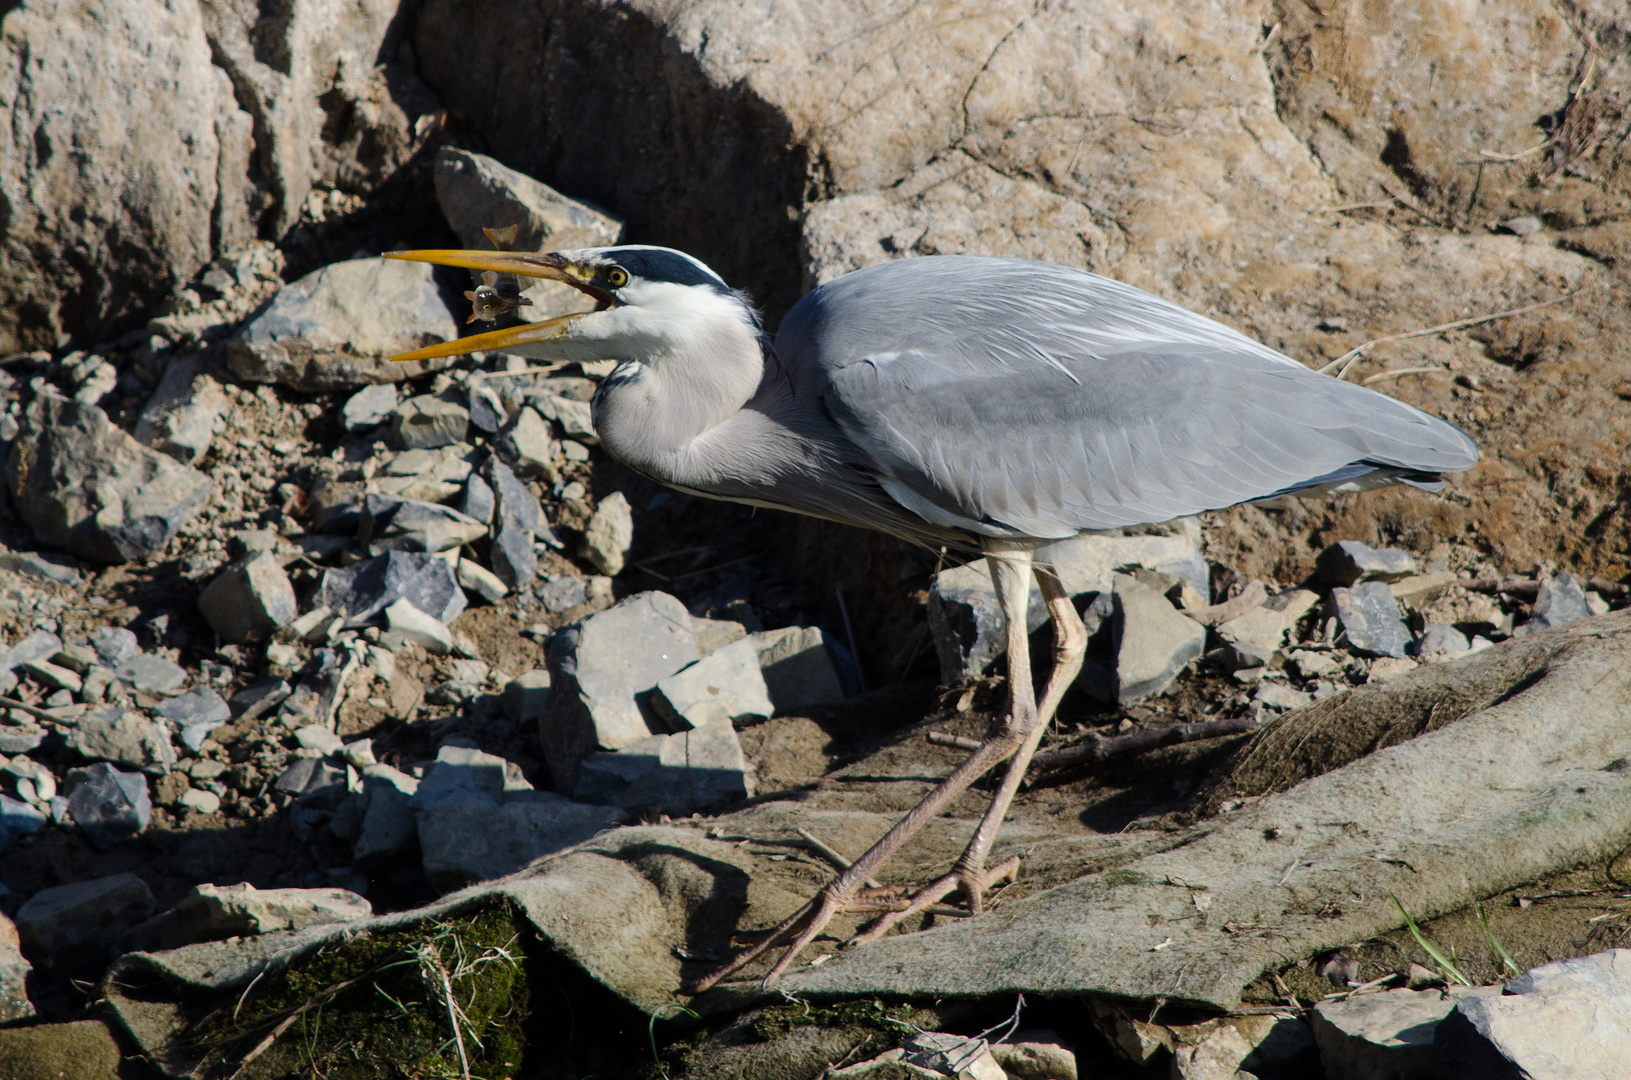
(433, 1000)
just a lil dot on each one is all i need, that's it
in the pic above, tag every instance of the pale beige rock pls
(609, 535)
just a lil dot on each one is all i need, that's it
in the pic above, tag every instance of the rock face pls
(86, 85)
(82, 484)
(338, 327)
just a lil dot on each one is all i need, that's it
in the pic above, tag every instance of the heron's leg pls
(1010, 571)
(970, 874)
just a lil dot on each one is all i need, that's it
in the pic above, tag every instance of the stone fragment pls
(1348, 561)
(1387, 1033)
(76, 658)
(386, 830)
(201, 706)
(515, 504)
(1293, 605)
(32, 564)
(965, 1057)
(14, 971)
(609, 534)
(725, 684)
(575, 417)
(39, 645)
(1567, 1020)
(515, 563)
(487, 409)
(1277, 695)
(249, 599)
(210, 912)
(525, 696)
(1255, 638)
(390, 524)
(123, 738)
(475, 193)
(364, 589)
(1438, 641)
(369, 407)
(33, 782)
(1315, 665)
(468, 841)
(17, 820)
(528, 442)
(151, 674)
(315, 783)
(20, 738)
(70, 924)
(598, 667)
(561, 593)
(205, 802)
(474, 577)
(479, 501)
(84, 485)
(1420, 590)
(417, 628)
(967, 624)
(1371, 619)
(1250, 1045)
(464, 774)
(429, 421)
(53, 676)
(183, 414)
(337, 327)
(681, 773)
(259, 698)
(1153, 641)
(107, 804)
(319, 738)
(1561, 599)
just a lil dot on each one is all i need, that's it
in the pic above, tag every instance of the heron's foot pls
(802, 927)
(972, 883)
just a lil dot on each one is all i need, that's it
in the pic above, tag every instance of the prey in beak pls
(547, 265)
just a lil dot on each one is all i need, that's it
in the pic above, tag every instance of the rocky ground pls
(291, 635)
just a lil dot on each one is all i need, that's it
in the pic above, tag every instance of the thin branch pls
(1347, 359)
(1097, 748)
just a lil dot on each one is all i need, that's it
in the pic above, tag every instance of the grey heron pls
(988, 404)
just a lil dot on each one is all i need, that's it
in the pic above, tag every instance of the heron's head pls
(650, 300)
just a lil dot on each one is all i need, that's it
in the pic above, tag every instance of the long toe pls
(974, 884)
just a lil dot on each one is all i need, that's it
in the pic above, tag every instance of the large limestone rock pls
(339, 326)
(108, 186)
(144, 137)
(84, 485)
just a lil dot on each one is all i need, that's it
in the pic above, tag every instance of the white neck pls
(692, 359)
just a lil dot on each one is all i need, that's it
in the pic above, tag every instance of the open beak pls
(548, 265)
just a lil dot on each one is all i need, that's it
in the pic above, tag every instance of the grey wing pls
(1002, 417)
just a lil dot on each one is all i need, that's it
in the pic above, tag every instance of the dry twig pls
(1347, 359)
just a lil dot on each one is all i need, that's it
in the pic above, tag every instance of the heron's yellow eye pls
(617, 277)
